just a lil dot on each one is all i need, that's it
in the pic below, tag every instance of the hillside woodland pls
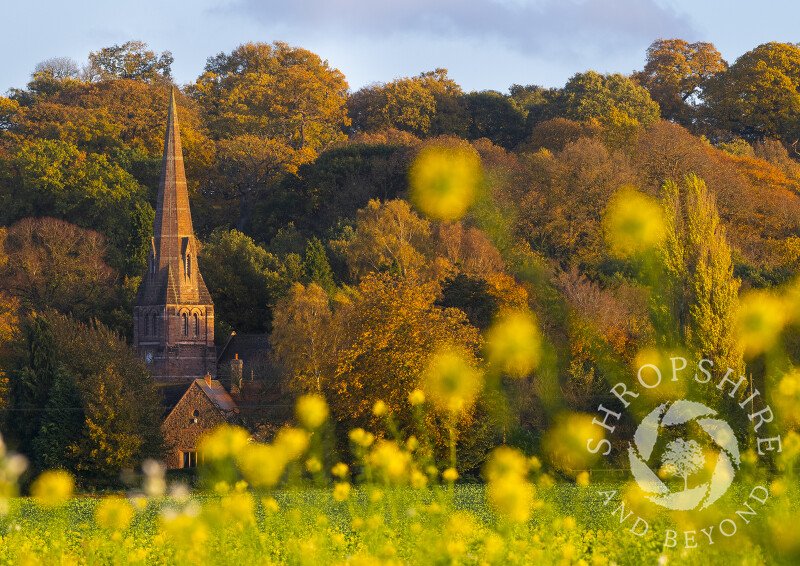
(300, 196)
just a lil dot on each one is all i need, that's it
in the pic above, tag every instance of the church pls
(173, 317)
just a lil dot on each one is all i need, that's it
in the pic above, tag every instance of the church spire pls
(173, 220)
(173, 315)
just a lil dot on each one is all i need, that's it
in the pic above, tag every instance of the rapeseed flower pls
(311, 411)
(633, 223)
(451, 382)
(513, 344)
(52, 488)
(445, 181)
(114, 513)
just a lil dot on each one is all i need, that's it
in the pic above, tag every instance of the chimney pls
(236, 375)
(208, 378)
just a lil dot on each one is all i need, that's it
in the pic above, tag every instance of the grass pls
(440, 525)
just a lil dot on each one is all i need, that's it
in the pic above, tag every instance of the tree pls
(683, 459)
(60, 68)
(315, 265)
(272, 107)
(388, 340)
(389, 237)
(244, 279)
(52, 264)
(695, 301)
(305, 338)
(122, 405)
(495, 116)
(676, 73)
(616, 102)
(758, 97)
(55, 179)
(428, 104)
(131, 60)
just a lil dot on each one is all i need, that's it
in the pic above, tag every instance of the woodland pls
(299, 190)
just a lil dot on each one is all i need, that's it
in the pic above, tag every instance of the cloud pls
(561, 29)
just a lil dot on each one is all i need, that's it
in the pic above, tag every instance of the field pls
(440, 525)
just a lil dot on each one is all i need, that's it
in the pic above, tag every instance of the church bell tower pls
(173, 315)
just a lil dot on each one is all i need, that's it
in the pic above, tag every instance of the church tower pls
(173, 316)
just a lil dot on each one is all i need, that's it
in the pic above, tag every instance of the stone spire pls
(173, 218)
(173, 313)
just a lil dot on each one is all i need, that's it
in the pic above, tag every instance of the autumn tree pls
(758, 97)
(497, 117)
(56, 179)
(131, 60)
(695, 298)
(388, 340)
(428, 104)
(51, 264)
(121, 403)
(676, 73)
(273, 107)
(390, 237)
(305, 338)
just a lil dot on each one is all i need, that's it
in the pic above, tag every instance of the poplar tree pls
(696, 299)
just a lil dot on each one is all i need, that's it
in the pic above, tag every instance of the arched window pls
(196, 325)
(147, 324)
(188, 266)
(185, 325)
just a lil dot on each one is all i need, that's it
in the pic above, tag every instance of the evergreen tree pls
(62, 423)
(315, 265)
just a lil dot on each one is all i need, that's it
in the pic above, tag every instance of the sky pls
(484, 44)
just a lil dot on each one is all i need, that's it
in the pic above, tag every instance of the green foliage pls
(757, 97)
(676, 73)
(316, 266)
(472, 296)
(131, 60)
(496, 117)
(244, 280)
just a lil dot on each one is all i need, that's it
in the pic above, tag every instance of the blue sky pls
(484, 44)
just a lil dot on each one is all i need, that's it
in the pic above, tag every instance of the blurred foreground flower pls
(508, 490)
(52, 488)
(451, 382)
(513, 344)
(761, 319)
(444, 181)
(634, 222)
(311, 411)
(114, 513)
(566, 441)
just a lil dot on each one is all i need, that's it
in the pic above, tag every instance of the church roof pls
(172, 276)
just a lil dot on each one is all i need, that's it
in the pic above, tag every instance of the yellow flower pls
(418, 479)
(342, 491)
(261, 464)
(565, 442)
(340, 470)
(114, 513)
(313, 465)
(513, 344)
(53, 488)
(634, 222)
(444, 181)
(508, 490)
(361, 437)
(451, 382)
(450, 475)
(416, 397)
(225, 441)
(270, 505)
(379, 408)
(761, 319)
(390, 460)
(293, 442)
(311, 411)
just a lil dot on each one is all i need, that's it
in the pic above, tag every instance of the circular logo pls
(683, 458)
